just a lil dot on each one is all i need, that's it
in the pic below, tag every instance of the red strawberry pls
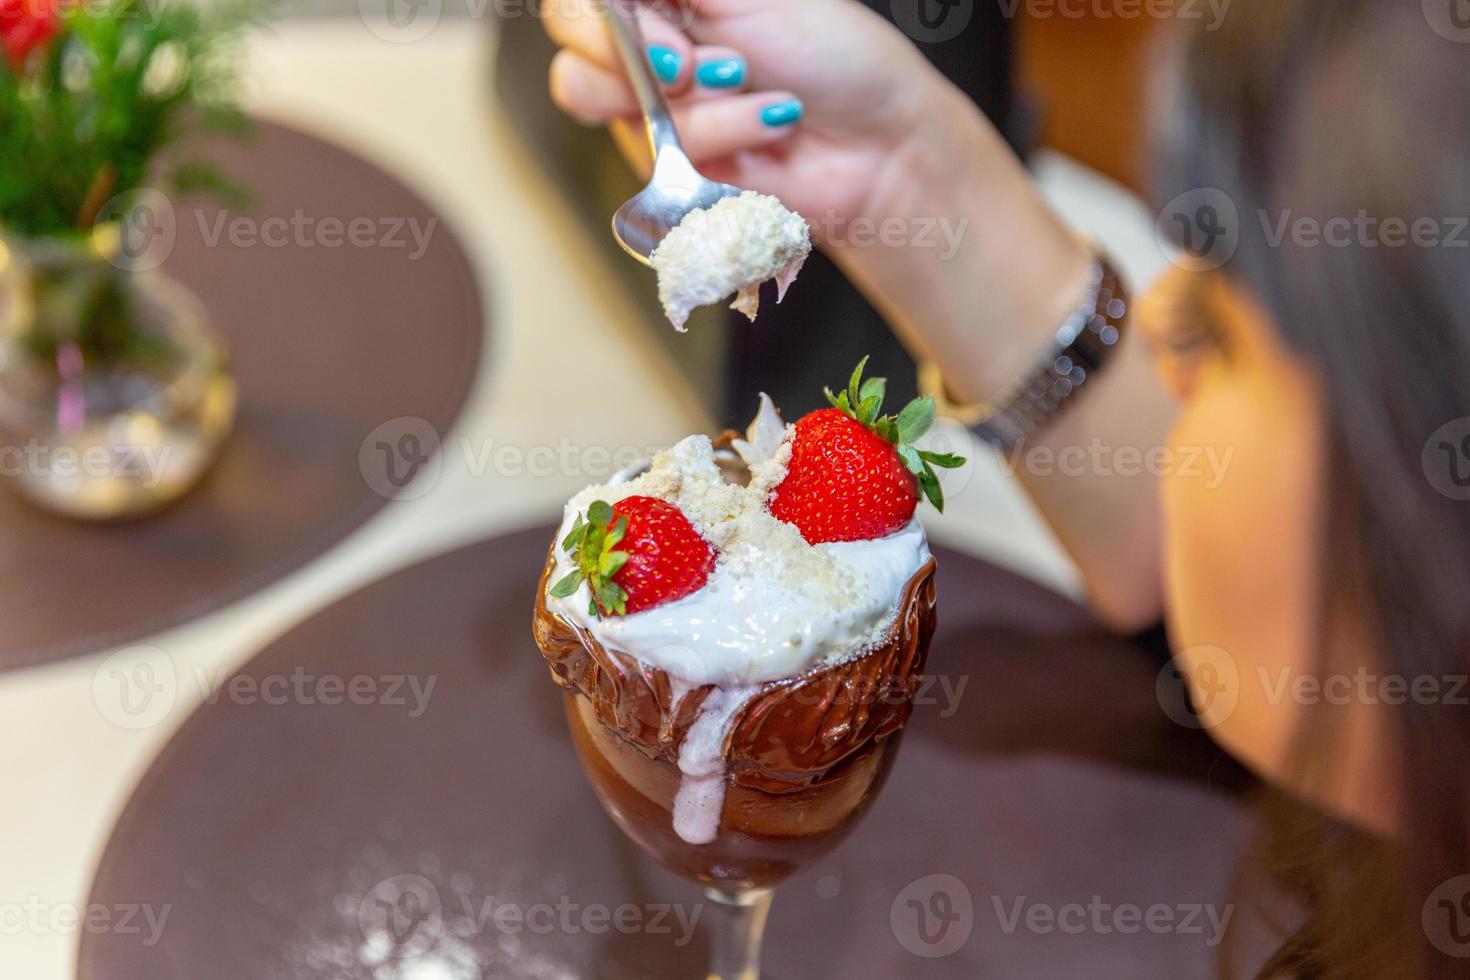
(26, 25)
(854, 474)
(638, 553)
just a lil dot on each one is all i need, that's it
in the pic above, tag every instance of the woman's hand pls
(813, 101)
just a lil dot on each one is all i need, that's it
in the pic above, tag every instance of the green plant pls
(91, 92)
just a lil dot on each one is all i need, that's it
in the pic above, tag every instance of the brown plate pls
(451, 837)
(328, 344)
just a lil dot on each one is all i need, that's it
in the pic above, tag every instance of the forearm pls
(986, 308)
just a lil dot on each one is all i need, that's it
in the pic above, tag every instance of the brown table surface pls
(283, 839)
(328, 343)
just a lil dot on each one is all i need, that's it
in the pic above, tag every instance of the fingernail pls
(724, 73)
(665, 62)
(781, 113)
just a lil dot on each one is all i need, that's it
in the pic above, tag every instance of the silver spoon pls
(676, 187)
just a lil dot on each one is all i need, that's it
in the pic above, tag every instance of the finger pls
(581, 25)
(594, 94)
(718, 71)
(719, 127)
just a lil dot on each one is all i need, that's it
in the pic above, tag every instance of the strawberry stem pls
(591, 544)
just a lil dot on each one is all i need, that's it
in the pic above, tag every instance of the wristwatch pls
(1083, 346)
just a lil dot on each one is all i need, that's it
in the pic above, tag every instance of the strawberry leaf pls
(568, 584)
(929, 483)
(854, 384)
(886, 428)
(948, 461)
(911, 460)
(916, 419)
(868, 411)
(591, 545)
(875, 388)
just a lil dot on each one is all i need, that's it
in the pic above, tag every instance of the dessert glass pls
(804, 756)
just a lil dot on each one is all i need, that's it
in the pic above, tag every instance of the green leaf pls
(875, 388)
(567, 585)
(611, 563)
(833, 399)
(911, 460)
(886, 428)
(574, 536)
(600, 513)
(916, 418)
(617, 533)
(948, 461)
(932, 490)
(854, 383)
(868, 411)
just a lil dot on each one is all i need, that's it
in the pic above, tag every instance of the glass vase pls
(115, 393)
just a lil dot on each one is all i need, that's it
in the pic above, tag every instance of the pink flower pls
(26, 25)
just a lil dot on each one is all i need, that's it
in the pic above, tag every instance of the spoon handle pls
(628, 37)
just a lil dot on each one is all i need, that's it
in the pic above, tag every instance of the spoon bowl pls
(676, 188)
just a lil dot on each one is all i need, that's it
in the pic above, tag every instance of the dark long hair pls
(1341, 108)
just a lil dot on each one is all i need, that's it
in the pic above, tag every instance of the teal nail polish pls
(724, 73)
(781, 113)
(665, 62)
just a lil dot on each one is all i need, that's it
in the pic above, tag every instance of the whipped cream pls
(730, 247)
(774, 607)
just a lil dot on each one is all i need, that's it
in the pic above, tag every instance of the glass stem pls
(737, 927)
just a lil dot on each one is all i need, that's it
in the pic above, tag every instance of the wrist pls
(983, 272)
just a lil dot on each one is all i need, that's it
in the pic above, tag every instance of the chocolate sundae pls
(740, 628)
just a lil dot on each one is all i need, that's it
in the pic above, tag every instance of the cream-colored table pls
(424, 111)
